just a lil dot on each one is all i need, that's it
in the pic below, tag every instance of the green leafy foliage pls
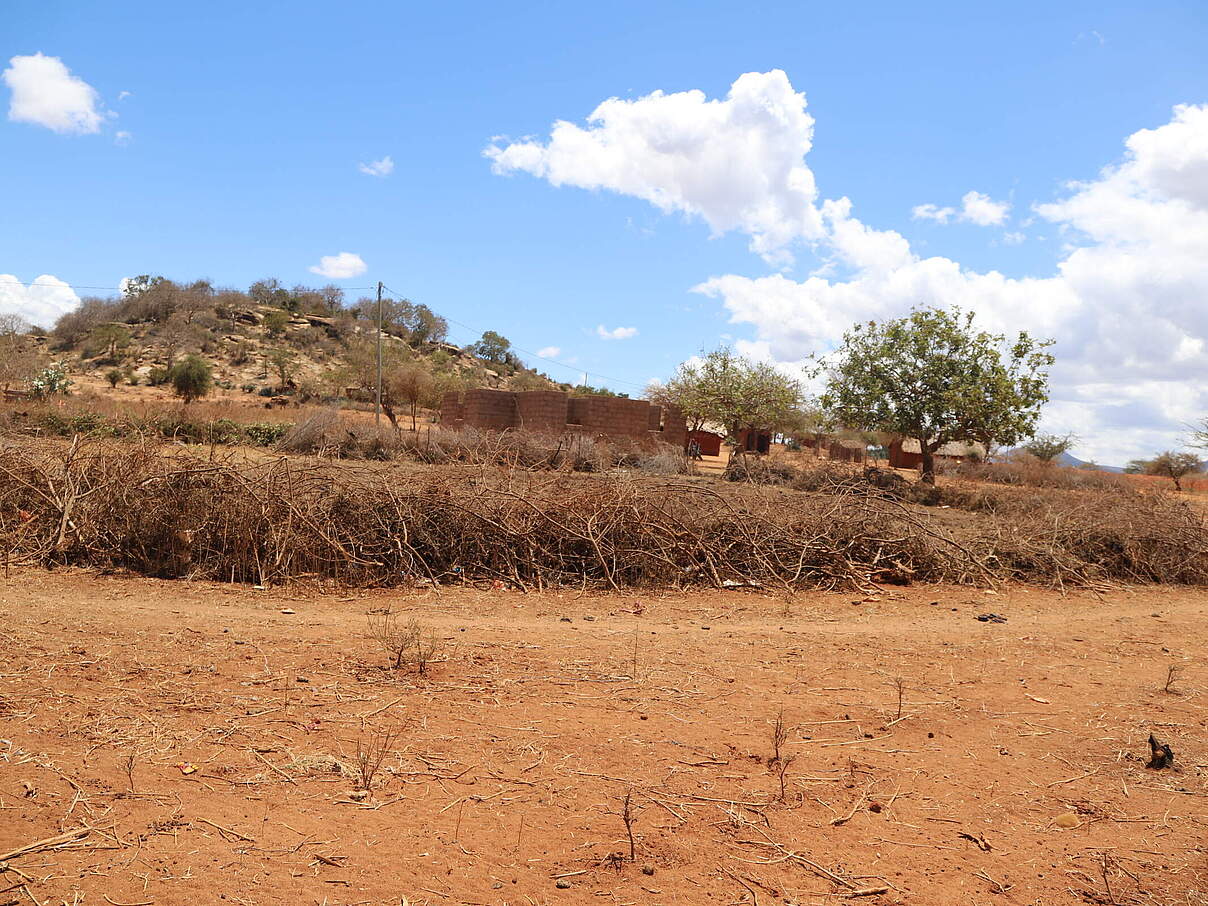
(731, 390)
(932, 376)
(191, 378)
(1047, 447)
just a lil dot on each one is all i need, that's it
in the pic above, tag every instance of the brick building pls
(556, 412)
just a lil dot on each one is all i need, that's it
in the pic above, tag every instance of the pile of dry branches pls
(116, 505)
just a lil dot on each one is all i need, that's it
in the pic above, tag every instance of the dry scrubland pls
(786, 682)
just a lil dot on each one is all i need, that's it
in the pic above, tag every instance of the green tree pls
(114, 377)
(275, 322)
(1048, 447)
(110, 337)
(284, 362)
(191, 378)
(731, 390)
(933, 377)
(1174, 466)
(495, 348)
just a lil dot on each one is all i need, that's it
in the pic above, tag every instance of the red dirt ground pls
(1015, 773)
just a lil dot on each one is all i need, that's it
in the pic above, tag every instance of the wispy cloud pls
(976, 207)
(383, 167)
(549, 352)
(617, 333)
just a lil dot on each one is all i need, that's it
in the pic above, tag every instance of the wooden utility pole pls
(377, 409)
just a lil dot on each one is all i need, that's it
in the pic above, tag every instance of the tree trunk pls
(928, 476)
(414, 407)
(389, 410)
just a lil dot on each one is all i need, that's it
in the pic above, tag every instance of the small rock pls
(562, 884)
(647, 869)
(1068, 819)
(303, 679)
(288, 610)
(590, 619)
(359, 795)
(565, 620)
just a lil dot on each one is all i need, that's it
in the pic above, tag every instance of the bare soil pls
(202, 740)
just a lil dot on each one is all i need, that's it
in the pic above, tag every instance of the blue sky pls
(235, 156)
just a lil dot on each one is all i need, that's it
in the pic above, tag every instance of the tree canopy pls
(933, 377)
(1048, 447)
(1172, 465)
(191, 378)
(733, 391)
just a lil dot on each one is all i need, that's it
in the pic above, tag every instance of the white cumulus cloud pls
(983, 210)
(976, 207)
(41, 302)
(383, 167)
(617, 333)
(44, 92)
(737, 163)
(549, 352)
(339, 267)
(1126, 302)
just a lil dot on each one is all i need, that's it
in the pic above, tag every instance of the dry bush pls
(1025, 470)
(165, 512)
(325, 433)
(406, 644)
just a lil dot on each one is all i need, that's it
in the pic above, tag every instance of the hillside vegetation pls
(307, 343)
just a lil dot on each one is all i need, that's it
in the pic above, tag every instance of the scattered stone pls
(991, 618)
(359, 795)
(565, 620)
(590, 619)
(647, 869)
(562, 884)
(1067, 819)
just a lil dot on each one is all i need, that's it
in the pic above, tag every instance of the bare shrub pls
(406, 644)
(319, 433)
(111, 504)
(370, 755)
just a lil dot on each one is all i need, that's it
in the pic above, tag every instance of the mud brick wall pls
(555, 411)
(452, 409)
(655, 420)
(490, 409)
(675, 427)
(542, 410)
(613, 416)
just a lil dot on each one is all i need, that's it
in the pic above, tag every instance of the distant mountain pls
(1074, 462)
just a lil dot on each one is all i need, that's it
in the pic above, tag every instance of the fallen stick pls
(227, 830)
(270, 764)
(56, 840)
(837, 821)
(865, 892)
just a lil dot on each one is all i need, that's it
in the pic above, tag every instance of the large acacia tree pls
(933, 377)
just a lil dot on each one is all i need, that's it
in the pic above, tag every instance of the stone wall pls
(553, 411)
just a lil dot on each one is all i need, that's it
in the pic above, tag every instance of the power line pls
(575, 368)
